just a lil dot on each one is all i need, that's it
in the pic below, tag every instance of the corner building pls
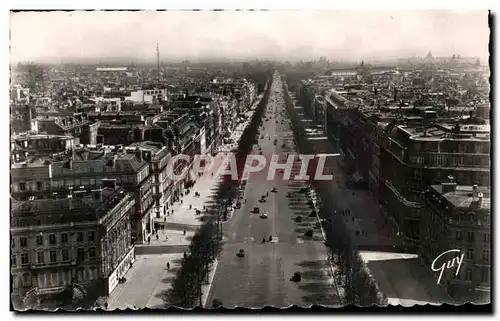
(459, 217)
(81, 244)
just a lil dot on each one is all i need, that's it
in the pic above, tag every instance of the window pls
(23, 242)
(459, 235)
(468, 275)
(486, 256)
(22, 186)
(26, 280)
(93, 273)
(470, 236)
(484, 276)
(53, 256)
(469, 254)
(487, 238)
(24, 259)
(91, 236)
(65, 255)
(39, 186)
(39, 240)
(64, 238)
(13, 261)
(40, 257)
(54, 279)
(79, 237)
(80, 254)
(52, 239)
(92, 252)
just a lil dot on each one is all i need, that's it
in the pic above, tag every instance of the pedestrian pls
(184, 232)
(106, 305)
(164, 219)
(149, 239)
(157, 237)
(168, 265)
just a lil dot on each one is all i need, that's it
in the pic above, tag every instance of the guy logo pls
(447, 265)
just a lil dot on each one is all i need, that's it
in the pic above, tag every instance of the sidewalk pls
(184, 213)
(147, 282)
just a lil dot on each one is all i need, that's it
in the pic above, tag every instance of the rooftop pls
(90, 206)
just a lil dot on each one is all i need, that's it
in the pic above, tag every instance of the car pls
(263, 215)
(297, 277)
(256, 210)
(241, 253)
(274, 190)
(238, 205)
(263, 199)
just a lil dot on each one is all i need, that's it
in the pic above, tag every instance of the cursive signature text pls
(447, 265)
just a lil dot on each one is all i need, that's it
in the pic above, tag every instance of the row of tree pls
(186, 290)
(352, 274)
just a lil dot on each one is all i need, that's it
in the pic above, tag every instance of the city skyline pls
(286, 35)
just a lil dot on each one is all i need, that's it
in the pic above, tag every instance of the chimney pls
(474, 191)
(97, 194)
(109, 183)
(138, 154)
(450, 186)
(479, 198)
(112, 160)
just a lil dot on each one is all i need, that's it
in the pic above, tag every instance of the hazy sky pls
(239, 35)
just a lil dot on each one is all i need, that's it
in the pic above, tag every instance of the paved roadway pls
(262, 277)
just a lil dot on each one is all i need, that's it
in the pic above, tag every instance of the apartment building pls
(54, 176)
(77, 125)
(459, 217)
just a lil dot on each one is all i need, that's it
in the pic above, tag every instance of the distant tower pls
(158, 60)
(429, 54)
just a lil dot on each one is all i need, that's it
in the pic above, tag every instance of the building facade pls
(87, 247)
